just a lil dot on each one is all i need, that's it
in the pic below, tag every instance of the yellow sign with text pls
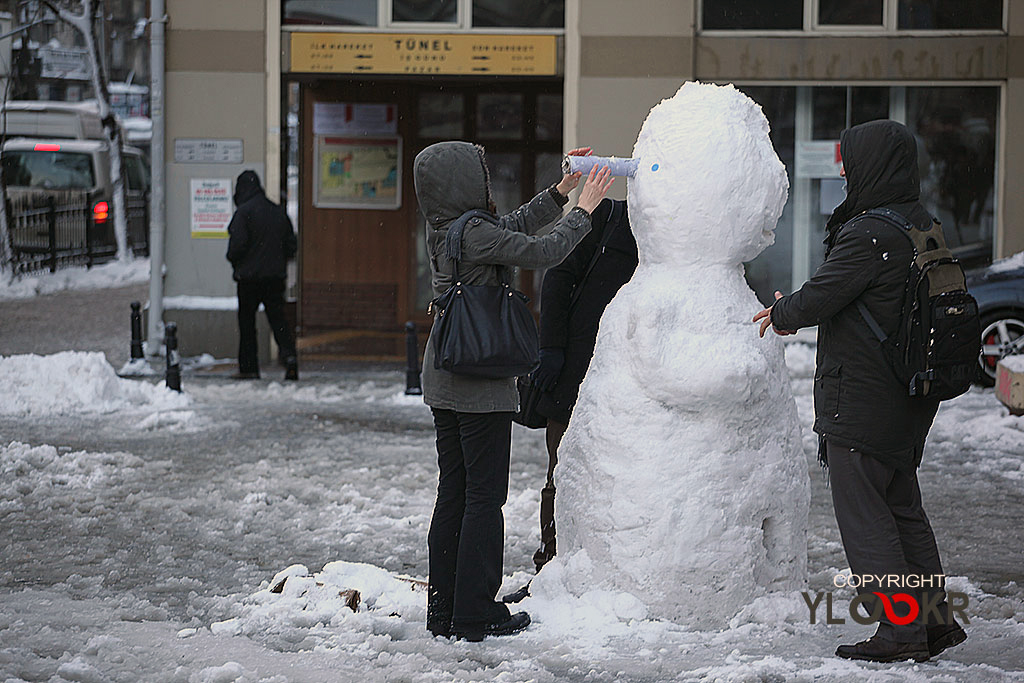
(467, 54)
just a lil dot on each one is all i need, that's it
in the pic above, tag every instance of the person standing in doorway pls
(261, 241)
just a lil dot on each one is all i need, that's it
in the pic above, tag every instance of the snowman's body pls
(681, 478)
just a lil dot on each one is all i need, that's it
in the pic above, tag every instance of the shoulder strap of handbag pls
(610, 225)
(453, 240)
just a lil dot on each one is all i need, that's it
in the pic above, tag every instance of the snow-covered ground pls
(113, 274)
(142, 532)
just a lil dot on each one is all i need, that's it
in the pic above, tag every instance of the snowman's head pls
(710, 187)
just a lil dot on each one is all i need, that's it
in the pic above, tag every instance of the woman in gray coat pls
(473, 416)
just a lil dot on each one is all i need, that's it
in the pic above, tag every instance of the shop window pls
(499, 116)
(548, 171)
(506, 173)
(440, 115)
(753, 15)
(850, 12)
(836, 108)
(907, 15)
(956, 133)
(334, 12)
(950, 14)
(424, 11)
(955, 130)
(549, 117)
(520, 14)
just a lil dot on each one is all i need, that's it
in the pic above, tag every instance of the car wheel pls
(1002, 334)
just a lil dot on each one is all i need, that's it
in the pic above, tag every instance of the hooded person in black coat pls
(872, 433)
(261, 240)
(573, 298)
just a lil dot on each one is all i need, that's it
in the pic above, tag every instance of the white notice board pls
(211, 207)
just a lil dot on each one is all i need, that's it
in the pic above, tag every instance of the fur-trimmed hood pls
(451, 178)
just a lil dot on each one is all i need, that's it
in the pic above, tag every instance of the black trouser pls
(270, 293)
(885, 531)
(466, 538)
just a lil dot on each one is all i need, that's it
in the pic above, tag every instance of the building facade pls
(330, 101)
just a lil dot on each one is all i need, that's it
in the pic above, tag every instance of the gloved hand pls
(551, 361)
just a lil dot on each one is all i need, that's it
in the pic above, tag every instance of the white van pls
(44, 119)
(60, 164)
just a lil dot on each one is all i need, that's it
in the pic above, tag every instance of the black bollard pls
(137, 331)
(412, 356)
(173, 376)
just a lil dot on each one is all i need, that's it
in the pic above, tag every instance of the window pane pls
(549, 117)
(338, 12)
(548, 170)
(850, 12)
(951, 14)
(955, 128)
(773, 269)
(868, 104)
(519, 14)
(430, 11)
(440, 115)
(506, 172)
(753, 14)
(499, 116)
(829, 112)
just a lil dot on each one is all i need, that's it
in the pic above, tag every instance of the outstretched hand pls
(765, 317)
(569, 181)
(595, 188)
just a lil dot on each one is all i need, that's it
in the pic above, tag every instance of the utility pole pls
(158, 201)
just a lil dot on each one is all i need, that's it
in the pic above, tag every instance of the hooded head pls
(451, 178)
(880, 162)
(247, 186)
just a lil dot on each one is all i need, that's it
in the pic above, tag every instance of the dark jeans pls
(466, 538)
(884, 530)
(270, 293)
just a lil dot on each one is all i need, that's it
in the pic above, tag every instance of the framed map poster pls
(357, 172)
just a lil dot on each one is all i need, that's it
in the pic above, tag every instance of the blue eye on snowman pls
(654, 167)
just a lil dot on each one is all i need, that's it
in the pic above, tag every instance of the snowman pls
(681, 479)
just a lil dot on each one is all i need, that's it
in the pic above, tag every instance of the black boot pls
(291, 371)
(876, 649)
(517, 595)
(944, 636)
(514, 624)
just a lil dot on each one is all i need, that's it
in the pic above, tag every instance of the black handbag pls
(529, 394)
(482, 330)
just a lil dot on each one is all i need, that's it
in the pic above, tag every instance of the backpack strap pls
(898, 221)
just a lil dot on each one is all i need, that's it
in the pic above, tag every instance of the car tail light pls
(46, 147)
(100, 212)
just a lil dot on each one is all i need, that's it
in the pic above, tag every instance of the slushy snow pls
(80, 601)
(682, 489)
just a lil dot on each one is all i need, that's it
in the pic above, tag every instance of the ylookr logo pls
(929, 609)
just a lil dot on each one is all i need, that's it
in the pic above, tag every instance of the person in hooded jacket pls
(473, 415)
(871, 432)
(261, 240)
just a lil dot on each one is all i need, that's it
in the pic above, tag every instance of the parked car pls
(60, 164)
(999, 290)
